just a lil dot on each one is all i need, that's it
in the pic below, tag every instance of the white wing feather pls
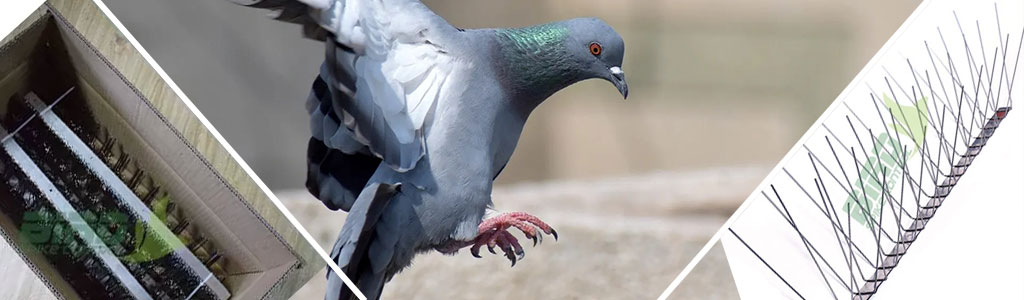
(398, 66)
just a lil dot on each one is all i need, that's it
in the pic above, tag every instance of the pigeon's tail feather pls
(351, 250)
(338, 166)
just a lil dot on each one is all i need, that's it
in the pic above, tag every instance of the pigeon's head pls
(597, 50)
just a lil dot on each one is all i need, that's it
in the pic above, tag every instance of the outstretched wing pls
(292, 11)
(387, 68)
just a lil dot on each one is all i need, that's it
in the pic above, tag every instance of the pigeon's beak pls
(619, 80)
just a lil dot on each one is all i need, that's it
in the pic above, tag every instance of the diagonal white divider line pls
(231, 151)
(796, 147)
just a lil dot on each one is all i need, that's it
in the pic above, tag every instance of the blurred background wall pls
(719, 91)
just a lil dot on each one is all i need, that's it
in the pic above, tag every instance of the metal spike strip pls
(944, 159)
(925, 213)
(128, 199)
(883, 262)
(100, 256)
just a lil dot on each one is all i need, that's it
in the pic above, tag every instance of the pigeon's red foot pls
(494, 233)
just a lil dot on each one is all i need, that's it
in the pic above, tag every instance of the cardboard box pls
(72, 43)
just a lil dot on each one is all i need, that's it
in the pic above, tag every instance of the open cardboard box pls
(73, 43)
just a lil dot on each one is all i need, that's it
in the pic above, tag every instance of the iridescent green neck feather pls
(536, 60)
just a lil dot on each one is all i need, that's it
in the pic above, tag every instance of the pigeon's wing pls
(386, 67)
(392, 65)
(395, 54)
(335, 174)
(292, 11)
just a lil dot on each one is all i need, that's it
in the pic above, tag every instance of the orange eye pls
(595, 49)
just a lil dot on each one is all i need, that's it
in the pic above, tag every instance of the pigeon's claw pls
(494, 233)
(530, 225)
(508, 243)
(512, 246)
(475, 250)
(492, 241)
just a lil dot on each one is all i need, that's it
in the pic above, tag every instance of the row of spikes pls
(113, 154)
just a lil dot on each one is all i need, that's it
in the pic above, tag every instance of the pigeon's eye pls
(595, 49)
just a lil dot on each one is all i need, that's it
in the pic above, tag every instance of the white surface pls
(12, 12)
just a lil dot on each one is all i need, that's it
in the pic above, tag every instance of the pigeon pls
(413, 119)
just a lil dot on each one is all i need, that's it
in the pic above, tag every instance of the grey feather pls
(357, 237)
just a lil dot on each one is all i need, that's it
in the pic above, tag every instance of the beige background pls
(719, 92)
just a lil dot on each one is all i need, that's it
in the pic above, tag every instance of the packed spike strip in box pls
(154, 253)
(51, 223)
(111, 188)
